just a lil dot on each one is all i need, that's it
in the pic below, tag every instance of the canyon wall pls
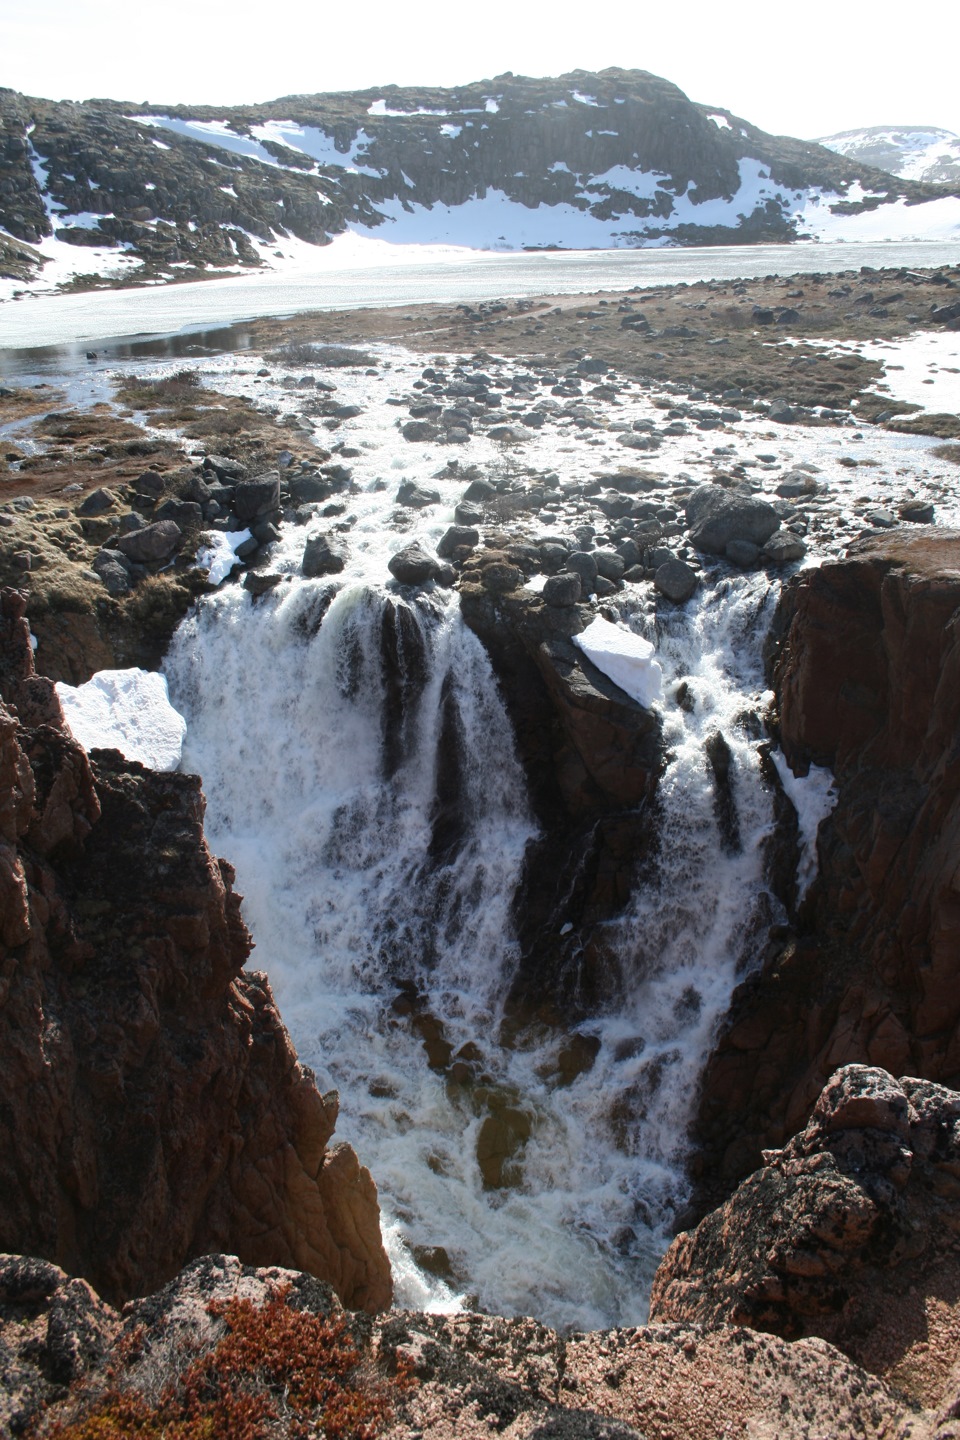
(865, 660)
(152, 1107)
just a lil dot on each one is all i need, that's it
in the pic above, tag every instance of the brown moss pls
(276, 1371)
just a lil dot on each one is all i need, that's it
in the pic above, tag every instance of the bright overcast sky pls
(800, 69)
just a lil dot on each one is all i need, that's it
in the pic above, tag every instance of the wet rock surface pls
(168, 1112)
(864, 661)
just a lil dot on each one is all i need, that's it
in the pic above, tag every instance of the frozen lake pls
(341, 278)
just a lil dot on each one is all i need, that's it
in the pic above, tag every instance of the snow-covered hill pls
(617, 159)
(914, 152)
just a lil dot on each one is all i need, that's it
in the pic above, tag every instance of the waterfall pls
(361, 775)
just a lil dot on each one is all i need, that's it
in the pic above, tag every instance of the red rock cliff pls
(152, 1106)
(867, 675)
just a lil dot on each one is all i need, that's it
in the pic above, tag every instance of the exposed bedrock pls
(865, 661)
(466, 1376)
(592, 758)
(152, 1107)
(851, 1232)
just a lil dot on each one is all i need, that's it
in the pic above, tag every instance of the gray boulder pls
(783, 549)
(413, 565)
(676, 581)
(455, 538)
(153, 544)
(111, 567)
(417, 497)
(98, 502)
(324, 555)
(584, 564)
(255, 498)
(717, 516)
(151, 483)
(419, 430)
(563, 589)
(609, 564)
(742, 553)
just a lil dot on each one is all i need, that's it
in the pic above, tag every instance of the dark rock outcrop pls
(152, 1107)
(592, 757)
(866, 666)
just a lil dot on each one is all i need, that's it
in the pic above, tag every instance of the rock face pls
(866, 665)
(847, 1233)
(438, 1377)
(153, 1106)
(592, 757)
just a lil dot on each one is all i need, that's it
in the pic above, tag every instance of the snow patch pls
(625, 658)
(129, 711)
(721, 122)
(220, 556)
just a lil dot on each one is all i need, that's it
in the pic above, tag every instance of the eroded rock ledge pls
(152, 1107)
(866, 666)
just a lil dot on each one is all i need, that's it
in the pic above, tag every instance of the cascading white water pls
(321, 758)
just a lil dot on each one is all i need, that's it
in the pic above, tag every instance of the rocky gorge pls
(428, 544)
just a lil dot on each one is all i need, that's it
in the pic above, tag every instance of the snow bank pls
(813, 796)
(627, 659)
(220, 556)
(129, 711)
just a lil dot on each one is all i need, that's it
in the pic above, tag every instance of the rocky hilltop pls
(619, 158)
(154, 1107)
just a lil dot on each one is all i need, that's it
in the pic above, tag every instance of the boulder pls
(716, 516)
(256, 498)
(152, 545)
(783, 549)
(609, 564)
(742, 553)
(456, 538)
(676, 580)
(324, 555)
(419, 430)
(115, 576)
(151, 483)
(413, 565)
(417, 497)
(563, 589)
(98, 502)
(584, 564)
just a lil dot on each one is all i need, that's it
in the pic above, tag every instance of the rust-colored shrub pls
(275, 1372)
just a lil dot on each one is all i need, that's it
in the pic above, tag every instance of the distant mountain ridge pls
(620, 158)
(913, 152)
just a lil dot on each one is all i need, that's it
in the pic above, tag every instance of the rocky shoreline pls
(855, 1211)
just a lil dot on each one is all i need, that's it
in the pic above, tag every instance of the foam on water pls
(361, 775)
(327, 765)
